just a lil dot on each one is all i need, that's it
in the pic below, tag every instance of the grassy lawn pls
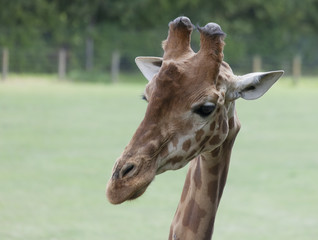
(58, 143)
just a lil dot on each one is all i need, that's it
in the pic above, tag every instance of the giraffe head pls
(189, 98)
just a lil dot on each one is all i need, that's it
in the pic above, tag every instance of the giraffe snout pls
(129, 181)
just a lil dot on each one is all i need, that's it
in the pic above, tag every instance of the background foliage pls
(36, 29)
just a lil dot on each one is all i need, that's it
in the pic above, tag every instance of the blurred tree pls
(23, 22)
(273, 29)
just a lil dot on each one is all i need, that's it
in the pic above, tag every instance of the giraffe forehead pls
(186, 71)
(189, 77)
(181, 86)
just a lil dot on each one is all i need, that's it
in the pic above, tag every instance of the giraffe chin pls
(118, 195)
(138, 193)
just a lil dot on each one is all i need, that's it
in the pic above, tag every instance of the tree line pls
(276, 30)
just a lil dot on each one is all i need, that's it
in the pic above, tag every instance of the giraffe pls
(190, 117)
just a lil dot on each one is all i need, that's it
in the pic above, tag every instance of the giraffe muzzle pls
(129, 180)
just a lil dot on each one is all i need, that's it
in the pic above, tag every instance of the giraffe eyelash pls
(143, 97)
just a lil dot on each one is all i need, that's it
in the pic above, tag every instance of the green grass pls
(58, 143)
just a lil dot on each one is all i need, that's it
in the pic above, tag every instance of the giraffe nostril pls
(127, 170)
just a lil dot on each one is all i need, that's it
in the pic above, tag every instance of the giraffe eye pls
(205, 110)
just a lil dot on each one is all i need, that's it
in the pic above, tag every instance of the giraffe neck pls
(202, 191)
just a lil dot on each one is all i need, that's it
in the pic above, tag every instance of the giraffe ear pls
(253, 85)
(149, 66)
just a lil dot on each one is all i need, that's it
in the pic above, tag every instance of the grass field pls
(58, 142)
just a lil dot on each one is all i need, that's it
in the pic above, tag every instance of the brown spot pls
(215, 152)
(164, 152)
(214, 170)
(169, 73)
(197, 174)
(193, 215)
(213, 190)
(224, 126)
(151, 148)
(174, 160)
(175, 142)
(212, 126)
(204, 141)
(209, 231)
(231, 123)
(192, 154)
(186, 145)
(186, 187)
(198, 135)
(215, 140)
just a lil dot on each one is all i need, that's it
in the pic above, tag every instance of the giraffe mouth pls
(139, 192)
(130, 188)
(118, 196)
